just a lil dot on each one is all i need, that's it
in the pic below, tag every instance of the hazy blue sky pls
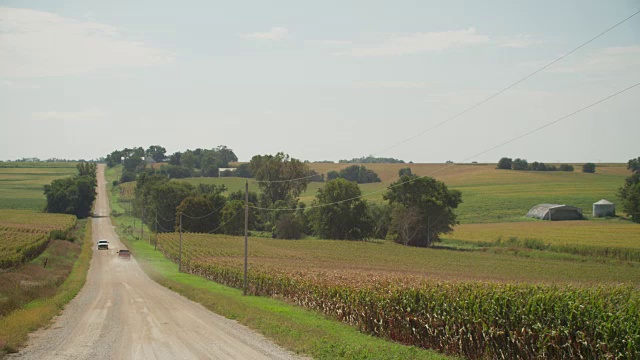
(321, 81)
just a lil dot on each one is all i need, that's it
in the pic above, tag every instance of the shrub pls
(589, 168)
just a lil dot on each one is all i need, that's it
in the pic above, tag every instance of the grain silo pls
(604, 208)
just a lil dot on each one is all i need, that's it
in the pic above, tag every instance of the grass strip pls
(15, 327)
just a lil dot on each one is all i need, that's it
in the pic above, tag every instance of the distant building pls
(604, 208)
(226, 171)
(555, 212)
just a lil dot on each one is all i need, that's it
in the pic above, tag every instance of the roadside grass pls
(301, 331)
(46, 301)
(21, 184)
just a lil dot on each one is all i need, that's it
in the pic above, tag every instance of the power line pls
(482, 101)
(204, 216)
(226, 222)
(510, 86)
(470, 157)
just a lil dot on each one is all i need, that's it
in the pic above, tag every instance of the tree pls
(634, 165)
(589, 168)
(243, 171)
(165, 198)
(381, 216)
(340, 213)
(156, 152)
(73, 195)
(505, 163)
(565, 167)
(288, 226)
(520, 164)
(201, 214)
(233, 218)
(188, 159)
(359, 174)
(423, 209)
(404, 171)
(629, 193)
(272, 170)
(226, 155)
(87, 169)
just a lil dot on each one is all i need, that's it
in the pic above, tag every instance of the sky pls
(324, 80)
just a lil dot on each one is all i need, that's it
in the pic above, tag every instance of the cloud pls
(69, 115)
(391, 84)
(604, 61)
(276, 33)
(418, 43)
(519, 41)
(19, 85)
(334, 42)
(41, 44)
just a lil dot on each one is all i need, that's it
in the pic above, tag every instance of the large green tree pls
(338, 212)
(156, 152)
(73, 195)
(423, 209)
(629, 193)
(281, 177)
(201, 214)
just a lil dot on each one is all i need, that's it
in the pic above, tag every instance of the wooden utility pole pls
(180, 256)
(246, 231)
(155, 245)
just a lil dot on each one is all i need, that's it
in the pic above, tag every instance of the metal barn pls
(555, 212)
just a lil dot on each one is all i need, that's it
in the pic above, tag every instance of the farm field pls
(371, 262)
(21, 184)
(489, 195)
(457, 302)
(24, 234)
(600, 233)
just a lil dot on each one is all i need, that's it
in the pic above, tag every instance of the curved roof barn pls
(555, 212)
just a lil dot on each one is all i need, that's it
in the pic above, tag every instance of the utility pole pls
(142, 225)
(246, 231)
(155, 246)
(180, 256)
(134, 220)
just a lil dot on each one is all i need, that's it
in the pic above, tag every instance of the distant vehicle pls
(103, 244)
(124, 254)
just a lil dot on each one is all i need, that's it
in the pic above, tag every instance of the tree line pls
(629, 193)
(416, 211)
(507, 163)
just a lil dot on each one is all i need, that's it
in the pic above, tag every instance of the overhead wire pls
(226, 222)
(478, 103)
(203, 216)
(510, 86)
(463, 160)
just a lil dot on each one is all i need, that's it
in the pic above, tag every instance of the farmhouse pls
(555, 212)
(604, 208)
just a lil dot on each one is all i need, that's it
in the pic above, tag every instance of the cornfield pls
(25, 234)
(477, 320)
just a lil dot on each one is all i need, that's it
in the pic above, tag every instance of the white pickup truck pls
(103, 245)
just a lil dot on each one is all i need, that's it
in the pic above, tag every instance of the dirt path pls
(122, 314)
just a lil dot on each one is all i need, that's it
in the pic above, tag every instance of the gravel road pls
(122, 314)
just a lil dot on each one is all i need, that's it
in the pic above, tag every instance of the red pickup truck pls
(124, 254)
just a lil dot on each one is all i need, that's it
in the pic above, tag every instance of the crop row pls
(25, 234)
(475, 320)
